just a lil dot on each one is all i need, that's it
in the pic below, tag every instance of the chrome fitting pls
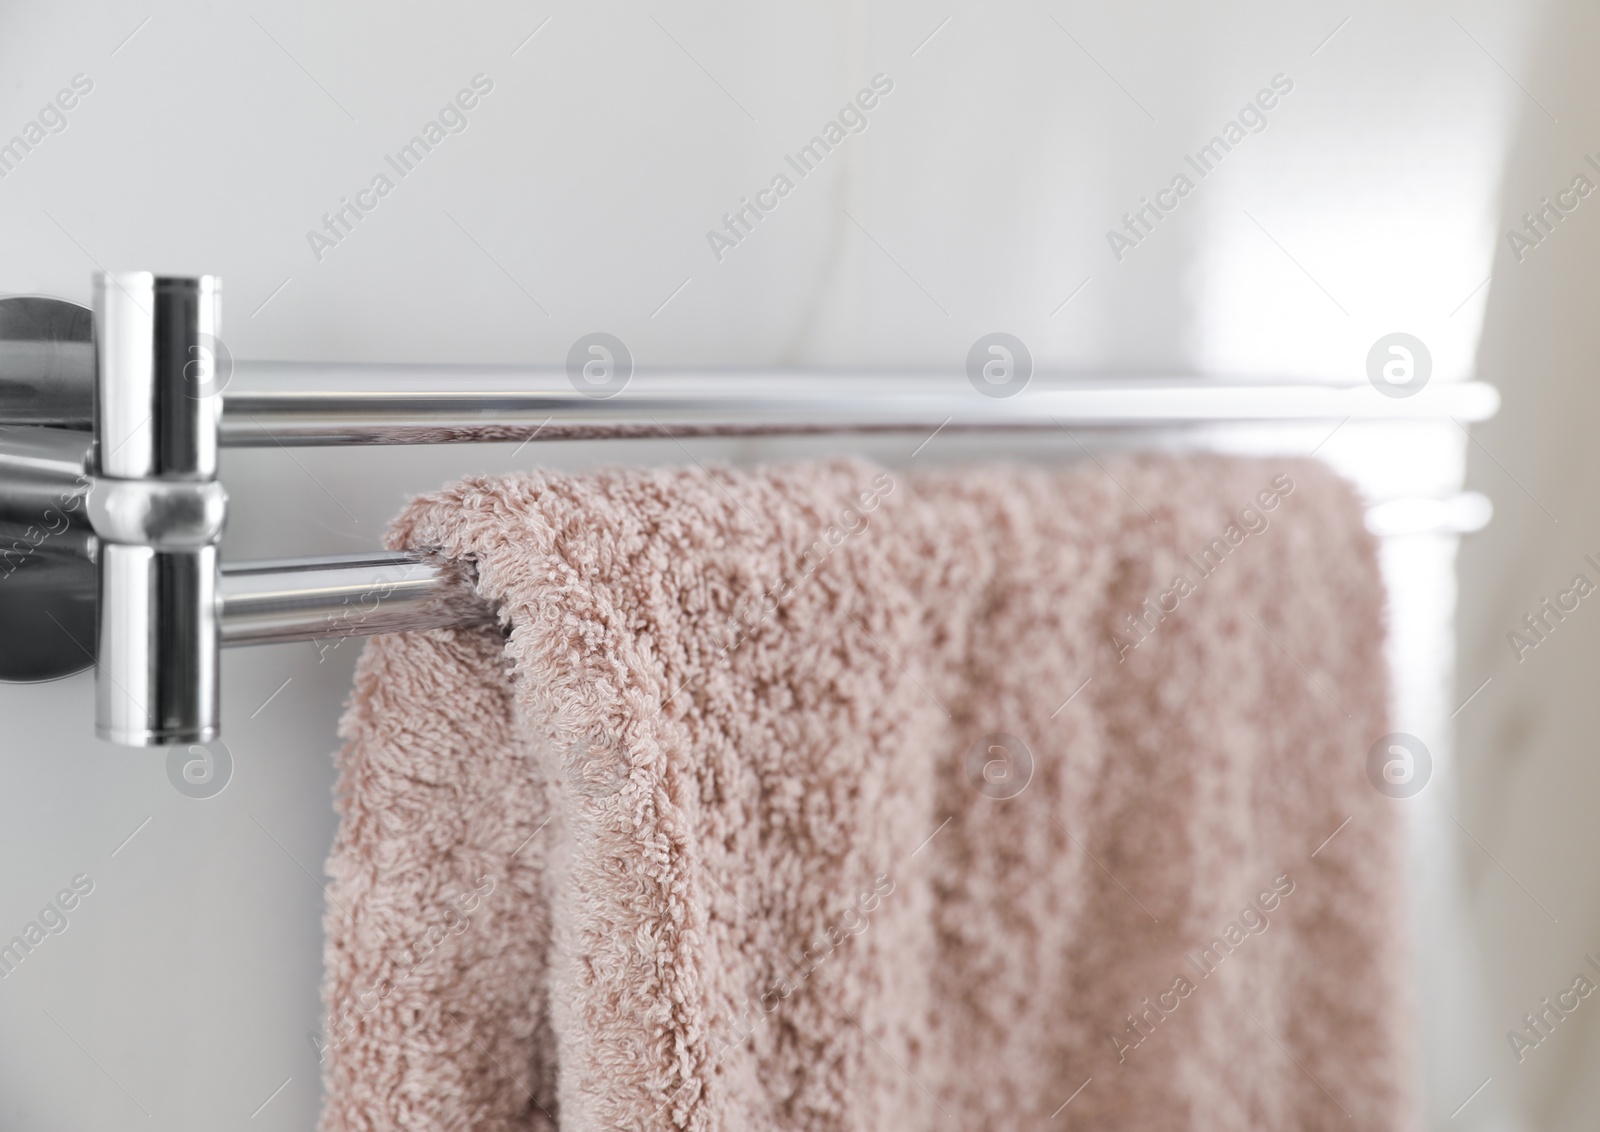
(160, 514)
(157, 508)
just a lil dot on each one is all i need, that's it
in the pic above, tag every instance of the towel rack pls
(111, 511)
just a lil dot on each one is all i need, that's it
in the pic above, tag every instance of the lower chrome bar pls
(347, 595)
(358, 595)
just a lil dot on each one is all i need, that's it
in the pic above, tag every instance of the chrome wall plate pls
(47, 618)
(47, 571)
(46, 362)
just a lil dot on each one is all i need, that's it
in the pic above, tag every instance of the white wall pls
(1530, 778)
(578, 199)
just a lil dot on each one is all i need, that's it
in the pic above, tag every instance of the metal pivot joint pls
(156, 508)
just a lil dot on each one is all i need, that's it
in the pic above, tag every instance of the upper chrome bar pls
(288, 403)
(311, 403)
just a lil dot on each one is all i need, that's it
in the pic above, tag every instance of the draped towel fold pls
(828, 797)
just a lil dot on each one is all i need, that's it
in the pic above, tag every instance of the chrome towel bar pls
(111, 511)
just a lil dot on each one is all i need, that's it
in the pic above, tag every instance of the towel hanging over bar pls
(111, 512)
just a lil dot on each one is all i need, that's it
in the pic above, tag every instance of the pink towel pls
(824, 797)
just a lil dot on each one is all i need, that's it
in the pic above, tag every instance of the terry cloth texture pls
(822, 797)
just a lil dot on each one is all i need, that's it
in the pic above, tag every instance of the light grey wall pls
(579, 197)
(1531, 780)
